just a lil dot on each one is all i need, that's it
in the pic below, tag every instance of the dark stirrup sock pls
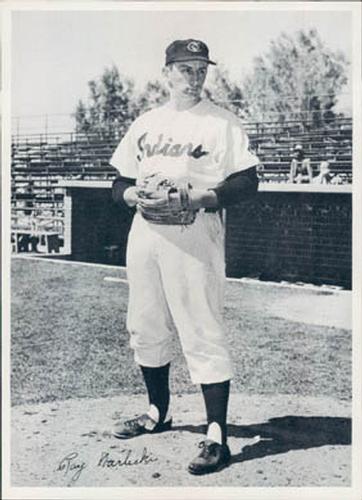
(156, 380)
(216, 397)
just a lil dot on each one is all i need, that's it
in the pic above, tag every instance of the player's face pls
(186, 79)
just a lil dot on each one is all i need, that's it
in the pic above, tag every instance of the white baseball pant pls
(176, 282)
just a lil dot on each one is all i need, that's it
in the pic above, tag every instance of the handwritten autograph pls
(108, 462)
(72, 466)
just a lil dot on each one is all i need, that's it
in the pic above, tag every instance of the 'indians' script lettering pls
(167, 148)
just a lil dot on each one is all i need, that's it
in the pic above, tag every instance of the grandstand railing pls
(253, 127)
(46, 158)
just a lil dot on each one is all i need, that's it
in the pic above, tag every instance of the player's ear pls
(166, 70)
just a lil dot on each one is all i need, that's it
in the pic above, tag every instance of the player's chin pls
(192, 92)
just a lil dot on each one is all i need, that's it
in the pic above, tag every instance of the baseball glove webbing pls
(174, 206)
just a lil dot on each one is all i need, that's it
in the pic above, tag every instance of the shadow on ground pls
(283, 434)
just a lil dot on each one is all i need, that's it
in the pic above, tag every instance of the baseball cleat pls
(143, 424)
(212, 458)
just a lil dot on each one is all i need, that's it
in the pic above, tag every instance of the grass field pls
(68, 339)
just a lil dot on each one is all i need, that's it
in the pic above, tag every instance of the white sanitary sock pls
(155, 414)
(214, 432)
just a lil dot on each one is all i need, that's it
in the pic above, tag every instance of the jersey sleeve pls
(238, 157)
(124, 158)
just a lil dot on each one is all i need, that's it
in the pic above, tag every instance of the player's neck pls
(181, 103)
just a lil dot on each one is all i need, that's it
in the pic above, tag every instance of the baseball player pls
(176, 271)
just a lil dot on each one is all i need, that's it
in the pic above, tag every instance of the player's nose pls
(196, 79)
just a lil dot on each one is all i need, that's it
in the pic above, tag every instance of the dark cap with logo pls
(187, 50)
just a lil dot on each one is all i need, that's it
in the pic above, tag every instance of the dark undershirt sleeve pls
(238, 187)
(119, 186)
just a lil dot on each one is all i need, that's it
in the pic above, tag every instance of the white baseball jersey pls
(204, 145)
(176, 274)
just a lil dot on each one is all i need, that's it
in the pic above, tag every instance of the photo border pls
(320, 493)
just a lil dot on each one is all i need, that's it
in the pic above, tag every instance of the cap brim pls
(184, 59)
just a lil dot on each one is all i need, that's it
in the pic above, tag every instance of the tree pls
(111, 105)
(297, 74)
(220, 89)
(154, 94)
(81, 118)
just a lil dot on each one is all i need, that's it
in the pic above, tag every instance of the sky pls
(55, 53)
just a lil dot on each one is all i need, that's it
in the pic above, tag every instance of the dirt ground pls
(274, 441)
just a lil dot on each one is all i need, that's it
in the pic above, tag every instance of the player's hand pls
(153, 199)
(131, 196)
(199, 198)
(154, 202)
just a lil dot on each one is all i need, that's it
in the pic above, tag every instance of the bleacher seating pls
(44, 160)
(274, 145)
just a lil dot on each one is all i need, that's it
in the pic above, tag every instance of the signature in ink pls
(71, 465)
(127, 459)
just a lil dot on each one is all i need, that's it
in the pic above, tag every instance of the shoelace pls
(141, 421)
(207, 449)
(132, 424)
(135, 422)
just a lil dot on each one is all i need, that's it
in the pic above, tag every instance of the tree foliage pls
(154, 94)
(220, 89)
(111, 105)
(296, 74)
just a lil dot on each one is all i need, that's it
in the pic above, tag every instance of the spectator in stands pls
(325, 176)
(29, 197)
(28, 239)
(339, 179)
(300, 167)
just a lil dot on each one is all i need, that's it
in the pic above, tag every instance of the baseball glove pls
(164, 201)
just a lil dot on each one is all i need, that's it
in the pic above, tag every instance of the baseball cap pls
(298, 147)
(187, 50)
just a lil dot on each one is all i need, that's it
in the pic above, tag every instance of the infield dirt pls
(274, 441)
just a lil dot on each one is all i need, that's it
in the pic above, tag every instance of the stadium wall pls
(289, 232)
(296, 233)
